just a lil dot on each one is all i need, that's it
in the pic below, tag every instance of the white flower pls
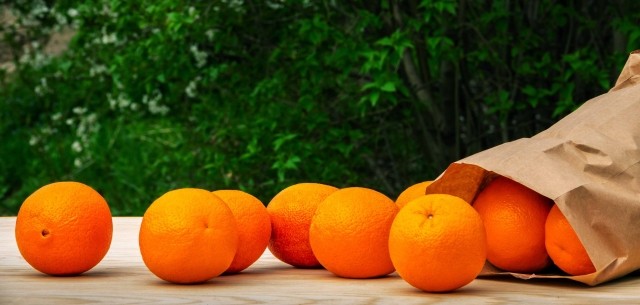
(79, 110)
(109, 38)
(236, 5)
(33, 140)
(153, 103)
(56, 116)
(112, 101)
(192, 87)
(38, 8)
(155, 108)
(76, 146)
(61, 19)
(47, 130)
(199, 56)
(123, 101)
(275, 5)
(210, 33)
(42, 88)
(77, 162)
(97, 69)
(191, 11)
(91, 118)
(39, 90)
(106, 11)
(72, 12)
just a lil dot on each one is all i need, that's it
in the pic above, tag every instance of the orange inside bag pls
(587, 164)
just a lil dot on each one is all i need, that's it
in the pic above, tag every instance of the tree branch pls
(419, 88)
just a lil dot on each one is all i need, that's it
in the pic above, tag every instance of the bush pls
(156, 95)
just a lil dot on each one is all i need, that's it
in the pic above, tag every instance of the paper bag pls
(588, 163)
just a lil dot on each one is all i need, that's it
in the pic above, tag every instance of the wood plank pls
(122, 278)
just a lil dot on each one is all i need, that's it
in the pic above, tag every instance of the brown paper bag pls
(588, 163)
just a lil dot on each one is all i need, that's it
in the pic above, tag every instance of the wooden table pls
(122, 278)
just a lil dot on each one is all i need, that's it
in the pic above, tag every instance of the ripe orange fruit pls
(437, 243)
(64, 228)
(564, 246)
(188, 236)
(254, 227)
(411, 193)
(350, 233)
(514, 218)
(291, 211)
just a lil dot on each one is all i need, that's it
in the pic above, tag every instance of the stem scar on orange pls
(64, 228)
(437, 243)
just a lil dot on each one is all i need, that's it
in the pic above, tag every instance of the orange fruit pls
(291, 211)
(64, 228)
(254, 227)
(437, 243)
(350, 233)
(411, 193)
(188, 236)
(514, 217)
(564, 246)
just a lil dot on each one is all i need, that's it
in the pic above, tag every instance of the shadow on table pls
(86, 276)
(633, 277)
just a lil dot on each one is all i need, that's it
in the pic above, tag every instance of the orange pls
(254, 227)
(188, 236)
(64, 228)
(291, 211)
(411, 193)
(437, 243)
(514, 218)
(564, 246)
(350, 233)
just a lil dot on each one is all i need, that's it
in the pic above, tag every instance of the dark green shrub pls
(156, 95)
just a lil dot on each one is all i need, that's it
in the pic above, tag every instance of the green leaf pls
(278, 142)
(374, 97)
(388, 87)
(530, 90)
(385, 41)
(292, 162)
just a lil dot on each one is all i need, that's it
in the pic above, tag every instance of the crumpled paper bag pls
(588, 163)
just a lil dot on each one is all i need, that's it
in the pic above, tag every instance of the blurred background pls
(136, 98)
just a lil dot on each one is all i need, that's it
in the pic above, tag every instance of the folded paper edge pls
(630, 74)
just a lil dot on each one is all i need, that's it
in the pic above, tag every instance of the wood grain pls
(122, 278)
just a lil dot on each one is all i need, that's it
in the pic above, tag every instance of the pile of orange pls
(192, 235)
(435, 242)
(526, 231)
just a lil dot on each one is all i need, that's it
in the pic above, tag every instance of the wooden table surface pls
(122, 278)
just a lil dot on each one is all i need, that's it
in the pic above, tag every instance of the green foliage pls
(156, 95)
